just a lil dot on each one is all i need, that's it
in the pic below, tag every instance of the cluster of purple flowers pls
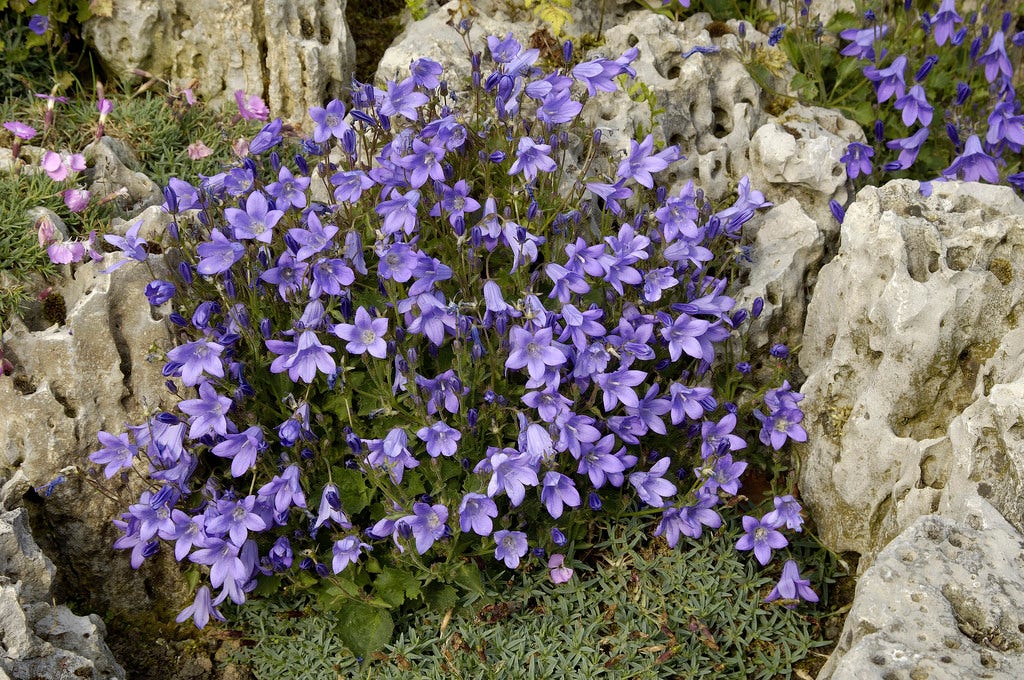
(987, 134)
(434, 355)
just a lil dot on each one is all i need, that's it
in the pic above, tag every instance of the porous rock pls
(294, 53)
(786, 253)
(39, 639)
(942, 601)
(114, 180)
(913, 365)
(98, 370)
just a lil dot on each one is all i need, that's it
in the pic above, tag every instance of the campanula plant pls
(446, 331)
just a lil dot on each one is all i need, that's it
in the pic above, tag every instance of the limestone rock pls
(114, 180)
(39, 639)
(913, 373)
(942, 601)
(99, 370)
(294, 53)
(786, 253)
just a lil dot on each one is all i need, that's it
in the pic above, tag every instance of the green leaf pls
(395, 586)
(337, 594)
(440, 597)
(364, 629)
(267, 586)
(468, 576)
(352, 490)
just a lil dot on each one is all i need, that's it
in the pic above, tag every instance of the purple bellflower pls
(762, 537)
(510, 547)
(792, 587)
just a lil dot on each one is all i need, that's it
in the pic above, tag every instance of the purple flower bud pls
(738, 318)
(229, 285)
(597, 136)
(729, 408)
(497, 157)
(952, 134)
(171, 387)
(472, 415)
(178, 320)
(594, 501)
(321, 570)
(557, 537)
(265, 329)
(170, 200)
(348, 141)
(159, 292)
(779, 351)
(1018, 39)
(170, 368)
(537, 552)
(742, 29)
(275, 161)
(201, 317)
(879, 130)
(363, 117)
(185, 271)
(926, 68)
(744, 367)
(172, 229)
(837, 210)
(567, 51)
(963, 91)
(301, 164)
(975, 48)
(1007, 19)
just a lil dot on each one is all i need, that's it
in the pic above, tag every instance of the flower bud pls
(594, 501)
(185, 271)
(757, 307)
(557, 537)
(567, 51)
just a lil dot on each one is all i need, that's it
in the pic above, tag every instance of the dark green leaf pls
(364, 629)
(395, 586)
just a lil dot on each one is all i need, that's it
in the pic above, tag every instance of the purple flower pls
(888, 81)
(858, 159)
(973, 164)
(303, 358)
(425, 162)
(762, 538)
(683, 334)
(534, 351)
(642, 161)
(287, 275)
(256, 221)
(20, 130)
(365, 335)
(330, 121)
(217, 256)
(350, 185)
(598, 74)
(862, 41)
(117, 453)
(402, 99)
(512, 472)
(427, 524)
(915, 107)
(223, 559)
(787, 511)
(944, 22)
(725, 475)
(140, 548)
(196, 358)
(510, 547)
(200, 610)
(909, 148)
(475, 514)
(267, 138)
(558, 107)
(995, 59)
(130, 244)
(236, 519)
(346, 551)
(791, 586)
(425, 72)
(39, 25)
(289, 190)
(285, 490)
(719, 435)
(330, 509)
(456, 202)
(558, 491)
(399, 211)
(651, 486)
(611, 193)
(597, 462)
(251, 107)
(1004, 125)
(617, 386)
(441, 439)
(242, 449)
(531, 158)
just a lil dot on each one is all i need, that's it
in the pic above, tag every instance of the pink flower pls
(251, 107)
(559, 572)
(76, 199)
(197, 150)
(66, 252)
(20, 130)
(60, 166)
(241, 147)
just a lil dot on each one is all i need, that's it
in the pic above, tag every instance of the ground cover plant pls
(451, 338)
(449, 329)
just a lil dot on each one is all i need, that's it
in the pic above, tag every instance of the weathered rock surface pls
(914, 367)
(114, 180)
(942, 601)
(93, 372)
(294, 53)
(39, 639)
(786, 254)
